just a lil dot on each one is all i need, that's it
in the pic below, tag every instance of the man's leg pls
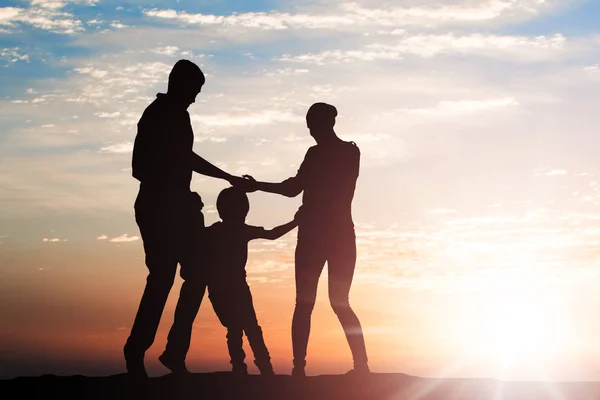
(189, 255)
(178, 341)
(158, 284)
(161, 261)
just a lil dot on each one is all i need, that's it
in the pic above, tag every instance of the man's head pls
(185, 81)
(233, 205)
(320, 120)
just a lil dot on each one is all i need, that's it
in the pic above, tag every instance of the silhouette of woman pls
(327, 177)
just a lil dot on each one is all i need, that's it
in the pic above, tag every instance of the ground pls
(221, 385)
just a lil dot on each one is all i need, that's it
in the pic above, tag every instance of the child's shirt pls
(228, 249)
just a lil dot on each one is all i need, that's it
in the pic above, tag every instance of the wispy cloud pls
(115, 114)
(243, 119)
(550, 172)
(13, 55)
(46, 15)
(124, 238)
(462, 107)
(515, 48)
(53, 240)
(123, 147)
(353, 16)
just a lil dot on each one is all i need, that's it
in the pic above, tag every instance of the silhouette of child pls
(229, 293)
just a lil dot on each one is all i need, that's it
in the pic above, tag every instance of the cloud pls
(107, 114)
(462, 107)
(550, 172)
(123, 147)
(124, 238)
(257, 20)
(45, 15)
(431, 45)
(285, 71)
(13, 55)
(166, 50)
(514, 48)
(351, 16)
(94, 72)
(114, 82)
(102, 237)
(53, 240)
(340, 56)
(442, 211)
(118, 25)
(248, 118)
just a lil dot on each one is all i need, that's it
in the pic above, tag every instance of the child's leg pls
(236, 350)
(225, 309)
(262, 359)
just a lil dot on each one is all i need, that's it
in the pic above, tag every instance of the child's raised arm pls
(279, 231)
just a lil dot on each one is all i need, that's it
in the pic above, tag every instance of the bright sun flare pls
(518, 323)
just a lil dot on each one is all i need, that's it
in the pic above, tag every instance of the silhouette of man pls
(327, 177)
(166, 211)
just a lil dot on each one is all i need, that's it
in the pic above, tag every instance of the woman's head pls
(320, 120)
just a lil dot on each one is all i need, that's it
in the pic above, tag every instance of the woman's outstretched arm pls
(290, 187)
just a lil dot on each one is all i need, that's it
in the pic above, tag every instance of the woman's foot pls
(298, 372)
(359, 369)
(239, 369)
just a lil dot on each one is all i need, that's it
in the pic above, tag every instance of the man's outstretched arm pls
(204, 167)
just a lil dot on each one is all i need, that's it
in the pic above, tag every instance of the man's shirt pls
(162, 152)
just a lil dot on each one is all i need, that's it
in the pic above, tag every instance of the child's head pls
(233, 205)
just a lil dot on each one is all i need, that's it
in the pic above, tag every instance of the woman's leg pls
(310, 260)
(341, 263)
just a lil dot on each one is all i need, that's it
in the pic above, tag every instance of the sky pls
(477, 209)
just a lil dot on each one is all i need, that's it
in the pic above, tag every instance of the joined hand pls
(246, 183)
